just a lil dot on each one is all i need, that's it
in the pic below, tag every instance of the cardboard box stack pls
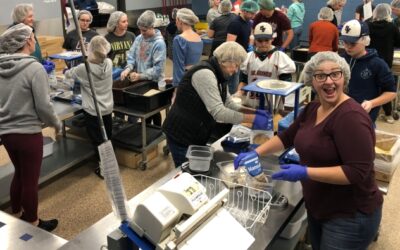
(387, 155)
(51, 45)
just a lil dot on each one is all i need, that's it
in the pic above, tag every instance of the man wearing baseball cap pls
(278, 20)
(372, 83)
(266, 61)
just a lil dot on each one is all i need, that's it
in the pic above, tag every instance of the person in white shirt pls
(266, 61)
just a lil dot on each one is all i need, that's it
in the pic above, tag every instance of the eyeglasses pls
(335, 75)
(84, 20)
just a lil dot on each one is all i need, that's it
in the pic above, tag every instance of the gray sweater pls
(102, 80)
(205, 83)
(24, 96)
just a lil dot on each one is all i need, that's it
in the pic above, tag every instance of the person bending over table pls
(335, 140)
(202, 100)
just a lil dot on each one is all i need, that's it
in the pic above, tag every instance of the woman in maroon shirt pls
(335, 139)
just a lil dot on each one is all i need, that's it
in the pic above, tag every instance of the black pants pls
(387, 107)
(94, 132)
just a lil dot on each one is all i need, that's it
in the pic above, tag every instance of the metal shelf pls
(67, 153)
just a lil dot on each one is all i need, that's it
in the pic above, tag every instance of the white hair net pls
(382, 11)
(333, 2)
(14, 38)
(85, 12)
(312, 65)
(230, 52)
(98, 49)
(173, 13)
(187, 16)
(325, 13)
(146, 19)
(395, 3)
(225, 7)
(113, 20)
(20, 12)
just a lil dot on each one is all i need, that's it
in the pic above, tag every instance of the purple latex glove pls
(291, 172)
(250, 161)
(282, 49)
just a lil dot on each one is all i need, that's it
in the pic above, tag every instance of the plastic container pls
(135, 99)
(293, 227)
(48, 146)
(199, 158)
(258, 187)
(230, 176)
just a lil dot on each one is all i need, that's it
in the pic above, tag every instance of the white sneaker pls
(389, 119)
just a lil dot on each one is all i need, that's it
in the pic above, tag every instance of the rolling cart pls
(396, 72)
(145, 143)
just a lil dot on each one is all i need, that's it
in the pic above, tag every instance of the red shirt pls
(345, 138)
(323, 36)
(279, 23)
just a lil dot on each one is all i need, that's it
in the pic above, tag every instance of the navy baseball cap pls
(353, 30)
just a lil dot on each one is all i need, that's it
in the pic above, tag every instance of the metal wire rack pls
(249, 206)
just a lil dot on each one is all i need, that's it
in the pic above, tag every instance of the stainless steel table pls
(17, 234)
(96, 235)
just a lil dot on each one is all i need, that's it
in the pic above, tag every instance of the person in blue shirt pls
(146, 57)
(296, 14)
(372, 83)
(187, 47)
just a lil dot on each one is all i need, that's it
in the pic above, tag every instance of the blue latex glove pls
(261, 121)
(48, 66)
(291, 172)
(282, 49)
(250, 48)
(250, 161)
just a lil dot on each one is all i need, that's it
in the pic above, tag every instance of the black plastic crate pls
(299, 54)
(135, 100)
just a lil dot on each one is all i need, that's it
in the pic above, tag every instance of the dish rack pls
(243, 203)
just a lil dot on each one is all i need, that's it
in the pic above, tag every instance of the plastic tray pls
(118, 90)
(135, 99)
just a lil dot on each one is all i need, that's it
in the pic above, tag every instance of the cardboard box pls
(387, 146)
(51, 45)
(383, 176)
(132, 159)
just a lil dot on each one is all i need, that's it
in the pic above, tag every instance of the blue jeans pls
(345, 233)
(178, 152)
(296, 37)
